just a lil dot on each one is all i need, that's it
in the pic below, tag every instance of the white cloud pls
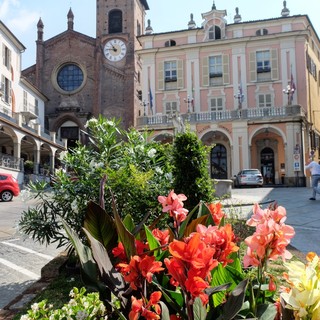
(5, 7)
(24, 20)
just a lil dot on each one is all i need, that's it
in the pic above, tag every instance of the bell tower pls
(118, 23)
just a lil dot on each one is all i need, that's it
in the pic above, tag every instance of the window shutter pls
(3, 54)
(9, 59)
(2, 83)
(253, 67)
(10, 93)
(205, 71)
(180, 82)
(226, 73)
(160, 76)
(274, 65)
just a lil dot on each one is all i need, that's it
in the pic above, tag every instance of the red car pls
(9, 187)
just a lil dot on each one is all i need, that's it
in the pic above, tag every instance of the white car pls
(249, 177)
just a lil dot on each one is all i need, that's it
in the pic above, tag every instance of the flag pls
(151, 101)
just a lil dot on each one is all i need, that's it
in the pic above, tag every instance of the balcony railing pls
(165, 120)
(10, 162)
(30, 112)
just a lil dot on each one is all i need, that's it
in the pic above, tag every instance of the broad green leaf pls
(126, 237)
(266, 311)
(235, 301)
(128, 222)
(185, 222)
(111, 278)
(199, 311)
(153, 242)
(88, 264)
(100, 225)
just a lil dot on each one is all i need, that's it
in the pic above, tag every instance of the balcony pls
(165, 120)
(30, 112)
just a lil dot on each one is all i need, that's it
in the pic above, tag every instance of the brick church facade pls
(85, 76)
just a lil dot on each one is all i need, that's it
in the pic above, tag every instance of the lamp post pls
(289, 91)
(239, 96)
(144, 104)
(189, 102)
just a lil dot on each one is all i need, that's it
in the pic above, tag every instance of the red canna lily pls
(161, 236)
(148, 266)
(138, 307)
(216, 212)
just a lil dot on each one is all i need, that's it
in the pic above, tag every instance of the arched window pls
(214, 33)
(115, 21)
(219, 169)
(170, 43)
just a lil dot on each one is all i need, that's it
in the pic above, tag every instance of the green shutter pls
(160, 76)
(205, 71)
(180, 80)
(253, 67)
(274, 64)
(226, 73)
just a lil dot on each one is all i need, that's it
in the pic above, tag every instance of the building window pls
(6, 89)
(70, 77)
(6, 53)
(215, 70)
(265, 100)
(261, 32)
(170, 75)
(216, 104)
(170, 43)
(25, 100)
(214, 33)
(263, 65)
(171, 107)
(115, 21)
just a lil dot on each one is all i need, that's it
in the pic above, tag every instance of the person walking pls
(314, 168)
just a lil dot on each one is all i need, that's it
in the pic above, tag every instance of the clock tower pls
(118, 69)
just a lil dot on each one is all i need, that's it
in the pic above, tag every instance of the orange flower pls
(148, 266)
(138, 307)
(177, 270)
(130, 272)
(216, 212)
(161, 236)
(196, 286)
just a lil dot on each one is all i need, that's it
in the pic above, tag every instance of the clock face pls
(115, 50)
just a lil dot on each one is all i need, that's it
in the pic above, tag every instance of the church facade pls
(84, 76)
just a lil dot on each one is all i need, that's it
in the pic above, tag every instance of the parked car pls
(9, 187)
(249, 177)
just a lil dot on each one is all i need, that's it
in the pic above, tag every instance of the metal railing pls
(11, 162)
(225, 115)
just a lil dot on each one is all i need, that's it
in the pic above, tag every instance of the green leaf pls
(165, 315)
(128, 222)
(235, 301)
(153, 242)
(185, 222)
(88, 264)
(126, 237)
(111, 278)
(100, 225)
(266, 311)
(199, 311)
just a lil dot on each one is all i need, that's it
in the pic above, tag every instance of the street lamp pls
(289, 91)
(189, 102)
(144, 104)
(240, 97)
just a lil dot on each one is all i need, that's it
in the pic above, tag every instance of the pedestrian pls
(314, 168)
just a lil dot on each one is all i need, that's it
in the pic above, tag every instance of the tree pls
(191, 175)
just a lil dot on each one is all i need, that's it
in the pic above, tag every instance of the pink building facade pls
(251, 90)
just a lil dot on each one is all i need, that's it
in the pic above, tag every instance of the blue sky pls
(21, 16)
